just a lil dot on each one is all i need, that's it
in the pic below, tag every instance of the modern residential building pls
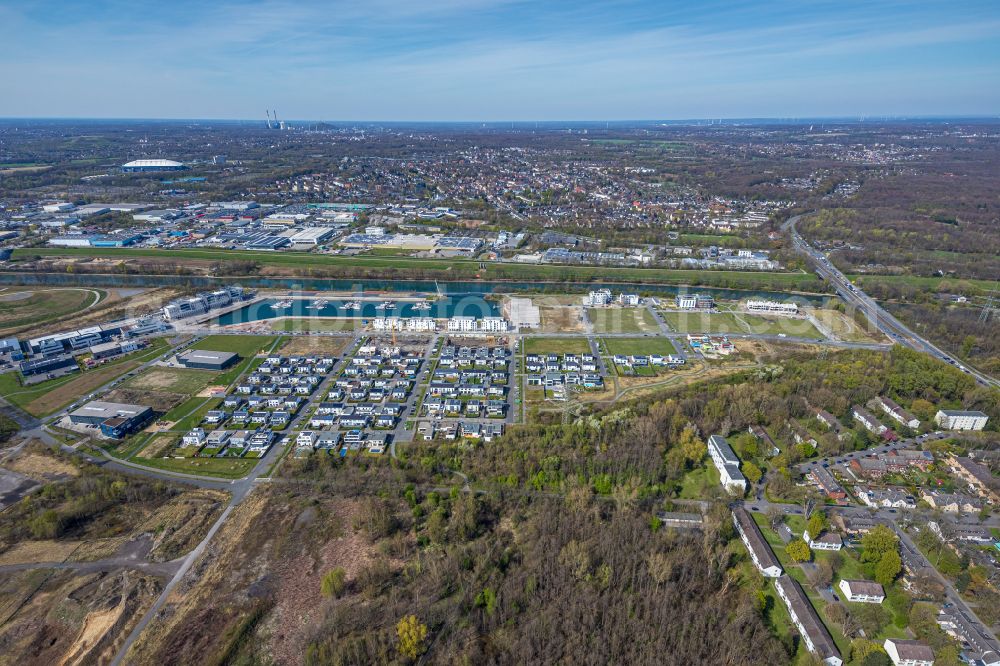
(760, 552)
(815, 635)
(694, 302)
(776, 307)
(951, 419)
(599, 297)
(862, 591)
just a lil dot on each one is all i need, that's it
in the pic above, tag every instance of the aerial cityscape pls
(465, 380)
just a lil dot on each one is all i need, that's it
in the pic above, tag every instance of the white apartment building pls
(951, 419)
(727, 463)
(775, 307)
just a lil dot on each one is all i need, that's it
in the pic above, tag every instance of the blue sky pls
(499, 59)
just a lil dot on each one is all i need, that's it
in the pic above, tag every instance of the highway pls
(875, 313)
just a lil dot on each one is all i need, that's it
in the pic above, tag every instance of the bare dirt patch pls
(41, 467)
(314, 345)
(160, 401)
(562, 319)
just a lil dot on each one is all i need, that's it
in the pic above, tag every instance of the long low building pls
(760, 552)
(815, 635)
(115, 419)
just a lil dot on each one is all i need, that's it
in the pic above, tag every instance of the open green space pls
(452, 269)
(736, 322)
(622, 320)
(935, 284)
(639, 346)
(22, 307)
(700, 482)
(171, 380)
(52, 395)
(556, 346)
(227, 468)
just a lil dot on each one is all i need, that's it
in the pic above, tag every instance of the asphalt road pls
(877, 315)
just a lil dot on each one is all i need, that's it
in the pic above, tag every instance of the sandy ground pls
(95, 626)
(314, 345)
(41, 467)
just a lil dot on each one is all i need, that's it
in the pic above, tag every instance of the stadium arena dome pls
(152, 165)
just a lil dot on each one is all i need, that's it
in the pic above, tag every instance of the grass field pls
(227, 468)
(622, 320)
(699, 482)
(172, 380)
(316, 324)
(638, 346)
(50, 396)
(556, 346)
(455, 269)
(31, 306)
(737, 322)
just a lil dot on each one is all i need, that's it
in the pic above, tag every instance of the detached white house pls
(862, 591)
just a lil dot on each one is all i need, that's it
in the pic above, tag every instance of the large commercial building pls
(115, 419)
(727, 463)
(40, 366)
(761, 554)
(140, 166)
(203, 359)
(815, 635)
(951, 419)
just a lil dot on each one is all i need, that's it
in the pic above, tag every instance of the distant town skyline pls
(499, 60)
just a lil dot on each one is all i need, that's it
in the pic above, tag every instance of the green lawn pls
(244, 345)
(734, 322)
(622, 320)
(227, 468)
(172, 380)
(639, 346)
(699, 482)
(41, 305)
(556, 346)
